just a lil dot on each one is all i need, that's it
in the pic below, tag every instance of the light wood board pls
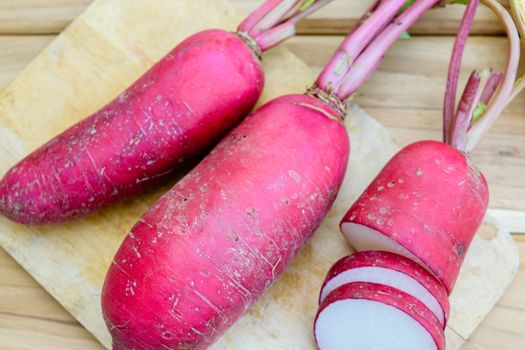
(52, 16)
(94, 60)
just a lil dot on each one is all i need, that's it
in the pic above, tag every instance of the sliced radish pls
(370, 316)
(427, 204)
(392, 270)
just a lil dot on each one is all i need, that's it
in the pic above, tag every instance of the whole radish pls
(167, 119)
(209, 248)
(429, 200)
(212, 245)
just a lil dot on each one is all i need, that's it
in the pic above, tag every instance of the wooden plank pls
(503, 327)
(38, 16)
(31, 319)
(52, 16)
(17, 52)
(95, 59)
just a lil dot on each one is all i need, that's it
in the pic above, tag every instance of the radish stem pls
(274, 21)
(249, 23)
(286, 29)
(467, 104)
(340, 64)
(370, 58)
(517, 8)
(455, 66)
(505, 91)
(490, 88)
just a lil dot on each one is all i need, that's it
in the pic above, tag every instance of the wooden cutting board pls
(90, 63)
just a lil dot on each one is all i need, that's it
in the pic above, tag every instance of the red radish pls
(392, 270)
(370, 316)
(167, 119)
(429, 200)
(211, 246)
(219, 238)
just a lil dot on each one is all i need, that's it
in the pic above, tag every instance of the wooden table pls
(405, 95)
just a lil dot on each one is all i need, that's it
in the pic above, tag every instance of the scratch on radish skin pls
(294, 175)
(121, 269)
(275, 267)
(223, 317)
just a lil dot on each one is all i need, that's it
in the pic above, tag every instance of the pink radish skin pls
(428, 200)
(212, 245)
(168, 118)
(382, 267)
(343, 317)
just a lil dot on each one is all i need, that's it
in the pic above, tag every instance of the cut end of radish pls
(364, 238)
(371, 316)
(369, 325)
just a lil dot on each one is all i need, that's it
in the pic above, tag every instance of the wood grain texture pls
(52, 16)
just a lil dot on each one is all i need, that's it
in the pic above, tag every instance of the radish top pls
(274, 21)
(486, 93)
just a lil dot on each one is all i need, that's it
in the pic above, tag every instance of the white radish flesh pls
(369, 325)
(363, 238)
(370, 316)
(390, 278)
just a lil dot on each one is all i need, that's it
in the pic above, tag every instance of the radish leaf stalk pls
(482, 111)
(517, 8)
(274, 21)
(455, 65)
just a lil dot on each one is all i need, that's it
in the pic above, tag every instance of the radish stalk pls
(274, 21)
(455, 66)
(504, 93)
(478, 118)
(355, 43)
(517, 8)
(368, 61)
(467, 105)
(489, 91)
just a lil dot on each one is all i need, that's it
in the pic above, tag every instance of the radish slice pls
(392, 270)
(369, 316)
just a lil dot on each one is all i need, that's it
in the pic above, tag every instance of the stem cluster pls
(486, 93)
(362, 51)
(274, 21)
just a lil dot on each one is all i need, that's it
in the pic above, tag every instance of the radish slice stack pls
(377, 300)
